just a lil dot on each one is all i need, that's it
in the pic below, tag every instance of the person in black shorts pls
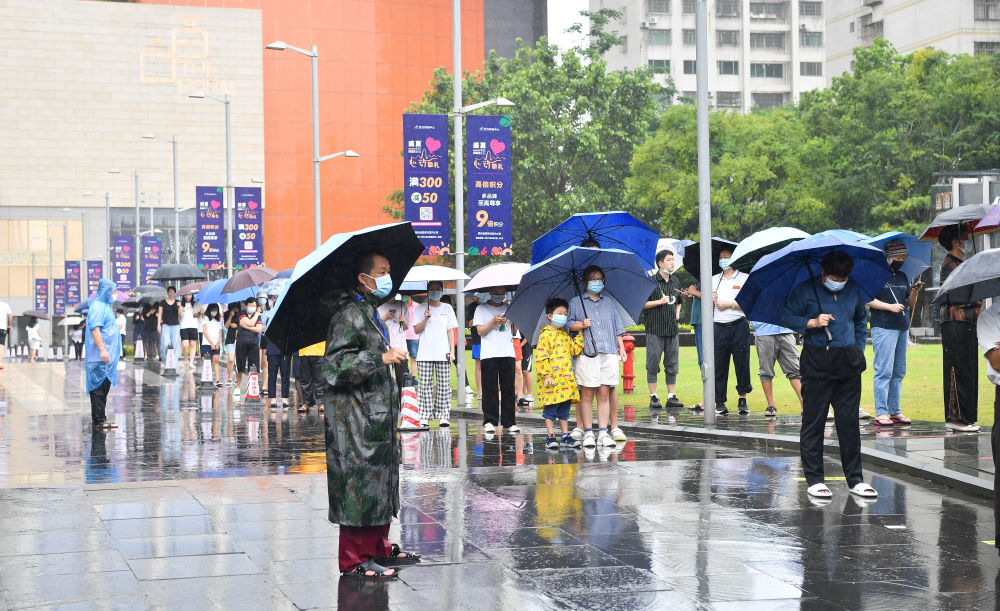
(248, 330)
(232, 321)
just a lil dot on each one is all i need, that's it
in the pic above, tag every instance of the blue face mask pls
(724, 264)
(435, 295)
(595, 287)
(498, 298)
(559, 320)
(383, 286)
(483, 297)
(834, 287)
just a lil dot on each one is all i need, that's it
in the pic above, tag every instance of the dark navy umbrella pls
(302, 313)
(763, 295)
(616, 229)
(692, 256)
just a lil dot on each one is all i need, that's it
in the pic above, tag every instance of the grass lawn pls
(922, 387)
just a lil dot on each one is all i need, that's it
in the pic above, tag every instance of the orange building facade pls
(375, 58)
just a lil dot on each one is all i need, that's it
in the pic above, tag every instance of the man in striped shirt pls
(659, 315)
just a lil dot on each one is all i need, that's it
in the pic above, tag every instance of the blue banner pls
(42, 294)
(248, 247)
(425, 180)
(124, 261)
(211, 227)
(59, 297)
(95, 271)
(488, 157)
(72, 275)
(151, 253)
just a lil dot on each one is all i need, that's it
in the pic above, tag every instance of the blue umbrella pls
(302, 313)
(84, 306)
(618, 230)
(212, 293)
(845, 235)
(763, 295)
(918, 258)
(285, 273)
(626, 281)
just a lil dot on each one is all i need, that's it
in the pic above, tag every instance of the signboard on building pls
(151, 255)
(124, 259)
(95, 271)
(72, 275)
(211, 227)
(248, 243)
(488, 157)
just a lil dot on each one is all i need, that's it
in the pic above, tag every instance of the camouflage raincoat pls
(362, 408)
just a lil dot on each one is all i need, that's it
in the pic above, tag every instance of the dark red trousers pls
(361, 543)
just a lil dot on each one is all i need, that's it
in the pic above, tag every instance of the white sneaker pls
(588, 439)
(962, 428)
(468, 390)
(529, 398)
(514, 428)
(443, 422)
(618, 435)
(236, 393)
(577, 434)
(606, 441)
(863, 415)
(489, 428)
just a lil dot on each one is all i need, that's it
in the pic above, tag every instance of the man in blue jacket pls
(829, 312)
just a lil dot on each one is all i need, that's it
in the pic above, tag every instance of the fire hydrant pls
(628, 377)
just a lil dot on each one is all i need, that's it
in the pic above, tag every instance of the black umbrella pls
(977, 278)
(692, 256)
(955, 217)
(302, 313)
(178, 271)
(251, 276)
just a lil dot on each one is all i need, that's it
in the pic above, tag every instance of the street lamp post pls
(107, 231)
(313, 54)
(177, 227)
(229, 203)
(65, 228)
(135, 261)
(83, 234)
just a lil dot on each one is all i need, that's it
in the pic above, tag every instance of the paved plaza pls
(199, 502)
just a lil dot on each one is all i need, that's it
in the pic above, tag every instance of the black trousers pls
(311, 370)
(995, 443)
(78, 350)
(498, 391)
(98, 401)
(819, 392)
(276, 363)
(399, 369)
(961, 371)
(732, 341)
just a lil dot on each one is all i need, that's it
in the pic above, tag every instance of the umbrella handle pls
(829, 336)
(586, 329)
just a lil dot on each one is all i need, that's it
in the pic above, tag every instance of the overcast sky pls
(561, 15)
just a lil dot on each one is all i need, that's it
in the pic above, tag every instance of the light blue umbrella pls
(845, 235)
(615, 229)
(626, 282)
(918, 258)
(212, 293)
(756, 245)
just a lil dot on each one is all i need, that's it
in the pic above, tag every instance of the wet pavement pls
(199, 502)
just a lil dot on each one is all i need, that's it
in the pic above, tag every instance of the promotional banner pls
(425, 180)
(248, 246)
(211, 227)
(72, 276)
(151, 251)
(42, 295)
(124, 272)
(95, 271)
(488, 159)
(59, 297)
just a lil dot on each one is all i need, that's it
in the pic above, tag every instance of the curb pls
(971, 484)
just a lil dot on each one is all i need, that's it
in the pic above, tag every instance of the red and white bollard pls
(409, 416)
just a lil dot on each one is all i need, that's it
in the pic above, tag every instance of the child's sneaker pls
(551, 442)
(569, 442)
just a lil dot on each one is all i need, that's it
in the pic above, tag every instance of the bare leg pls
(215, 366)
(479, 376)
(603, 406)
(797, 387)
(528, 382)
(518, 382)
(564, 425)
(612, 406)
(549, 428)
(585, 409)
(768, 388)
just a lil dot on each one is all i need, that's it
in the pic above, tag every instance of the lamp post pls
(313, 54)
(705, 208)
(107, 230)
(177, 228)
(229, 200)
(65, 228)
(135, 262)
(83, 235)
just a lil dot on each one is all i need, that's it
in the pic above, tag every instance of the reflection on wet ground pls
(197, 502)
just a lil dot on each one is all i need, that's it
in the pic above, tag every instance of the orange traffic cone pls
(253, 386)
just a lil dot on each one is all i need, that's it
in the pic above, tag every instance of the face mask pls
(895, 265)
(724, 264)
(212, 313)
(498, 298)
(251, 310)
(559, 320)
(383, 286)
(483, 297)
(595, 287)
(834, 287)
(435, 295)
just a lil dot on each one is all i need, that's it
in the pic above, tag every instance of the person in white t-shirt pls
(212, 336)
(732, 336)
(122, 325)
(189, 330)
(496, 354)
(433, 322)
(6, 323)
(988, 332)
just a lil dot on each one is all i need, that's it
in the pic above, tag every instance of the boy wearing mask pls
(659, 315)
(557, 389)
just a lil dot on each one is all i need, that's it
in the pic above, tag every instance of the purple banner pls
(124, 272)
(488, 157)
(425, 180)
(59, 297)
(42, 295)
(72, 276)
(95, 271)
(249, 239)
(151, 251)
(211, 227)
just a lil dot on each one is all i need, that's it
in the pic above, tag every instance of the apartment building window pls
(729, 99)
(767, 40)
(986, 48)
(727, 38)
(811, 68)
(658, 37)
(729, 67)
(624, 45)
(727, 8)
(687, 97)
(987, 10)
(769, 100)
(810, 39)
(767, 10)
(688, 7)
(658, 6)
(690, 37)
(660, 65)
(761, 70)
(690, 66)
(810, 9)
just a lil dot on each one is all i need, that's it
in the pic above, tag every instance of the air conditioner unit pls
(651, 20)
(644, 24)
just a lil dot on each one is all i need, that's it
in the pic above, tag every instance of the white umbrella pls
(71, 321)
(429, 273)
(497, 274)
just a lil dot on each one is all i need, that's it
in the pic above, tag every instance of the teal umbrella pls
(764, 242)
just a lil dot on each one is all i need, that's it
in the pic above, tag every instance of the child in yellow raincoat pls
(557, 389)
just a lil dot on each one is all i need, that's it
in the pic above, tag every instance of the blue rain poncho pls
(102, 316)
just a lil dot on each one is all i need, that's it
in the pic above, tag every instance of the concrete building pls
(504, 21)
(955, 26)
(762, 54)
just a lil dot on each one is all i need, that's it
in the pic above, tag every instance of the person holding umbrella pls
(433, 323)
(168, 324)
(496, 354)
(829, 312)
(34, 339)
(958, 341)
(732, 335)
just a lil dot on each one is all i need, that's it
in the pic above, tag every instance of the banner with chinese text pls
(425, 180)
(151, 251)
(95, 271)
(59, 297)
(488, 159)
(248, 243)
(124, 272)
(211, 227)
(42, 294)
(72, 276)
